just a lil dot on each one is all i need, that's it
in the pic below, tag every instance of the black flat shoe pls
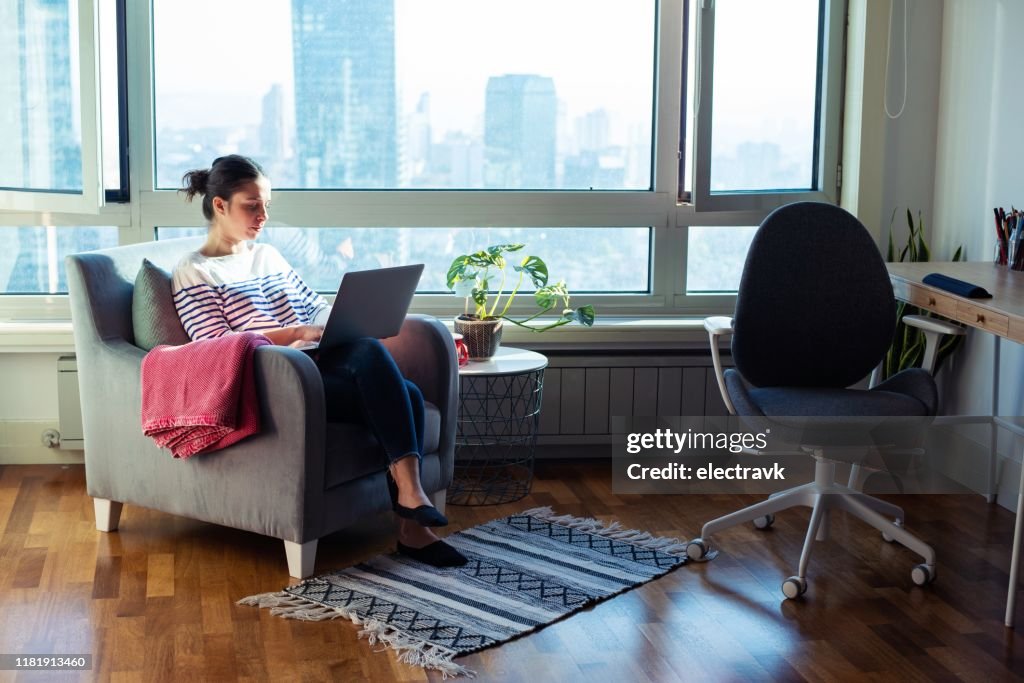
(437, 554)
(424, 515)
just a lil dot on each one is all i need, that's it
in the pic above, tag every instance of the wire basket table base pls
(496, 437)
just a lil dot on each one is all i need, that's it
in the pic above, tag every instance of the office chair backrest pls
(815, 306)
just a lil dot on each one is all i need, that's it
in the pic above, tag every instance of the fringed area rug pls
(524, 572)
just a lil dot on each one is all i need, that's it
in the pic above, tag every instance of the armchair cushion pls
(155, 320)
(353, 452)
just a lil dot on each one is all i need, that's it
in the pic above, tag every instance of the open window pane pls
(768, 115)
(687, 139)
(32, 260)
(764, 108)
(39, 98)
(49, 159)
(604, 260)
(109, 94)
(715, 257)
(397, 94)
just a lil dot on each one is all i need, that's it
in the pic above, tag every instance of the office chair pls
(815, 313)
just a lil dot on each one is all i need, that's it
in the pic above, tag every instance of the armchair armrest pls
(270, 483)
(719, 326)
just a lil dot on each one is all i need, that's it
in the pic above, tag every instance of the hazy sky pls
(215, 59)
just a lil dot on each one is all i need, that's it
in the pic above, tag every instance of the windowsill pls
(608, 334)
(36, 336)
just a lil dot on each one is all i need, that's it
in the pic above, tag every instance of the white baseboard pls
(21, 444)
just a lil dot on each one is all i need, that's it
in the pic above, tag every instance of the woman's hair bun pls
(194, 182)
(226, 175)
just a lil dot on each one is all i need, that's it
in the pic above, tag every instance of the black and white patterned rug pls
(524, 572)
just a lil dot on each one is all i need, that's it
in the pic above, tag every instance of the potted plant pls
(471, 275)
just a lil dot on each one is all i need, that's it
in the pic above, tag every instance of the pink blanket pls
(201, 397)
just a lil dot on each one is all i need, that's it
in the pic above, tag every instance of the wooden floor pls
(156, 600)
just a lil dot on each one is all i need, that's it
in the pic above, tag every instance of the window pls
(48, 106)
(448, 126)
(32, 260)
(715, 257)
(767, 132)
(613, 260)
(113, 99)
(408, 94)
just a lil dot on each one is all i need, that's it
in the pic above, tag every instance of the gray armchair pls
(299, 479)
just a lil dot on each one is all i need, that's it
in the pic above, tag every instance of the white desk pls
(1003, 317)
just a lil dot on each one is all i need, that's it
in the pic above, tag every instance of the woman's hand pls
(295, 335)
(307, 333)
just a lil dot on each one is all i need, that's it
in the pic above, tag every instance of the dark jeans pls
(363, 384)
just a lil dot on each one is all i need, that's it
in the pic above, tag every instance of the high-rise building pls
(592, 130)
(43, 149)
(345, 108)
(273, 140)
(519, 132)
(418, 134)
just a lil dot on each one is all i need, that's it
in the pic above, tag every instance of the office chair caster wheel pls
(886, 537)
(697, 549)
(794, 587)
(923, 574)
(764, 522)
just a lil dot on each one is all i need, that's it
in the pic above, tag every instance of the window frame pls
(92, 196)
(828, 125)
(659, 207)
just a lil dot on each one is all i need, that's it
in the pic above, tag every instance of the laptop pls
(370, 303)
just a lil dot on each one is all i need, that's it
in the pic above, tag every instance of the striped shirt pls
(252, 290)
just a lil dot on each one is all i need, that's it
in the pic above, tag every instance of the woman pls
(235, 284)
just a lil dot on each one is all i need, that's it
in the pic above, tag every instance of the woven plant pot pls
(482, 337)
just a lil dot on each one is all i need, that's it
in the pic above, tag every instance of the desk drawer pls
(933, 301)
(976, 316)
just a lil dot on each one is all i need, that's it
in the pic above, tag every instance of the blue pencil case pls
(951, 284)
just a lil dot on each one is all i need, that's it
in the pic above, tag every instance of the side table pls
(499, 410)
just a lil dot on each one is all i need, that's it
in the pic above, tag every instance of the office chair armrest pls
(719, 326)
(933, 324)
(933, 329)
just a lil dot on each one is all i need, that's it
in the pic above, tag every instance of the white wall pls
(890, 163)
(980, 164)
(910, 138)
(29, 383)
(28, 406)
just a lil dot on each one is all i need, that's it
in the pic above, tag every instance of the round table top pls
(507, 361)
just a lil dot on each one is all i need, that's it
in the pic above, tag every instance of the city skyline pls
(337, 114)
(429, 104)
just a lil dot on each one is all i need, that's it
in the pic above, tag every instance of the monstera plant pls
(482, 277)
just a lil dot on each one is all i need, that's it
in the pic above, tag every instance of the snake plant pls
(908, 343)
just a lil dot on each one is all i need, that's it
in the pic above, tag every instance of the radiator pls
(583, 392)
(69, 405)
